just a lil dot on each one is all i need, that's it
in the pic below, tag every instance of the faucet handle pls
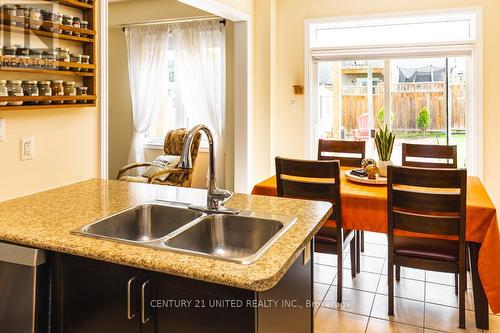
(221, 194)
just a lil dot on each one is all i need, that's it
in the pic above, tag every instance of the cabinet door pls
(98, 296)
(190, 306)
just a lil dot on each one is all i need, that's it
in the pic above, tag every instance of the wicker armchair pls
(174, 142)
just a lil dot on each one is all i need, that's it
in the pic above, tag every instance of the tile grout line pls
(425, 297)
(373, 302)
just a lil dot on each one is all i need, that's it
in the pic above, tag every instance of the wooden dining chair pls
(429, 156)
(351, 154)
(427, 202)
(348, 153)
(319, 180)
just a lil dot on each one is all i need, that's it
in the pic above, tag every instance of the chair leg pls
(456, 284)
(461, 297)
(353, 250)
(398, 273)
(340, 257)
(461, 300)
(362, 241)
(358, 252)
(390, 283)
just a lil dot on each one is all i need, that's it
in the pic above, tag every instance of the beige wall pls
(263, 89)
(120, 114)
(120, 108)
(127, 12)
(288, 130)
(66, 143)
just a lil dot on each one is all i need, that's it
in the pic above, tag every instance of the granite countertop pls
(45, 220)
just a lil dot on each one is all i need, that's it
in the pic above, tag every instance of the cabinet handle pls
(130, 316)
(144, 320)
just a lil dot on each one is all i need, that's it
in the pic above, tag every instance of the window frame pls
(472, 49)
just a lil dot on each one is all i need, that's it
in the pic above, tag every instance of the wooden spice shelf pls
(9, 64)
(73, 3)
(45, 107)
(47, 34)
(47, 67)
(45, 98)
(54, 26)
(45, 71)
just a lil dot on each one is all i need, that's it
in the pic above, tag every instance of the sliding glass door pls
(426, 102)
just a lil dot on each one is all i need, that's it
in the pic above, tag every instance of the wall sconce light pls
(298, 89)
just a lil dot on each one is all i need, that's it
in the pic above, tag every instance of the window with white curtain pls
(172, 113)
(177, 79)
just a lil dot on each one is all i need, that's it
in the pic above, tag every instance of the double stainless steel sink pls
(241, 238)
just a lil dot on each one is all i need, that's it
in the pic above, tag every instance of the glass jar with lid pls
(76, 58)
(22, 51)
(23, 11)
(30, 88)
(69, 90)
(9, 56)
(9, 51)
(14, 89)
(49, 59)
(35, 18)
(76, 24)
(68, 21)
(9, 14)
(85, 61)
(58, 19)
(44, 90)
(63, 55)
(3, 91)
(22, 54)
(82, 91)
(49, 20)
(57, 90)
(84, 25)
(36, 58)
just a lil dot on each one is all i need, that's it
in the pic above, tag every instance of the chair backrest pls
(435, 153)
(173, 145)
(348, 153)
(428, 201)
(363, 121)
(312, 180)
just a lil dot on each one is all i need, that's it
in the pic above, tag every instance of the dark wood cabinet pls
(190, 306)
(94, 296)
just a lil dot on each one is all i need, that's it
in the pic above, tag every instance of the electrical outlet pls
(27, 149)
(2, 129)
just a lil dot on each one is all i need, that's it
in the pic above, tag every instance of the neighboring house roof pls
(421, 74)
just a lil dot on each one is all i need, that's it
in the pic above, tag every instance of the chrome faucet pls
(214, 195)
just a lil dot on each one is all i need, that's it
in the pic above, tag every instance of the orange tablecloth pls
(364, 207)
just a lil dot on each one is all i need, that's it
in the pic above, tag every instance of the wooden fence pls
(406, 101)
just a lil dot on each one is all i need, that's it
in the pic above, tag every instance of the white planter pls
(382, 167)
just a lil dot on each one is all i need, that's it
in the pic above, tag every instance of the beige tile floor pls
(425, 301)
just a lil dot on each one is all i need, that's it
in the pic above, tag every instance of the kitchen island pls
(102, 285)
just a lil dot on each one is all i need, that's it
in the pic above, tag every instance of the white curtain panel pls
(147, 48)
(200, 78)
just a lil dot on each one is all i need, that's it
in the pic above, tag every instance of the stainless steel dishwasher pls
(24, 289)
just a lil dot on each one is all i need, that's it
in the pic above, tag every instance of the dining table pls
(364, 208)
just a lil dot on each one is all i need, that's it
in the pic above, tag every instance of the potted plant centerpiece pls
(384, 140)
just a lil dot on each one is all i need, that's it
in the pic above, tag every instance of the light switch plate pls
(2, 129)
(27, 149)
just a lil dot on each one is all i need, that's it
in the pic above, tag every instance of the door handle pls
(144, 320)
(130, 316)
